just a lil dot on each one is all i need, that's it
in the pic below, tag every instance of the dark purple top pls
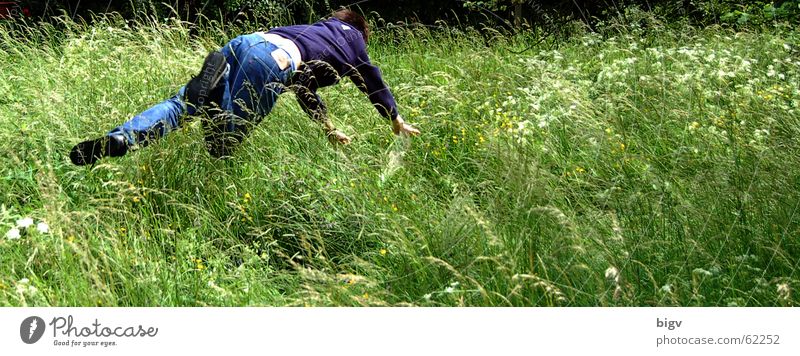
(340, 46)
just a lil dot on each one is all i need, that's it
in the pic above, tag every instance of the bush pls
(753, 13)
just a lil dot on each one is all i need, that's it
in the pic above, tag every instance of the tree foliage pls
(516, 13)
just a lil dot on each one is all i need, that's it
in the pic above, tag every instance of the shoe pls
(199, 88)
(88, 152)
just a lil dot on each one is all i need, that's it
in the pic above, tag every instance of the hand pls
(400, 127)
(338, 136)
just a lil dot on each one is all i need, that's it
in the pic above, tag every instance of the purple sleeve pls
(368, 79)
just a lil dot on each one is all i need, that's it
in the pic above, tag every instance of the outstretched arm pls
(311, 103)
(368, 79)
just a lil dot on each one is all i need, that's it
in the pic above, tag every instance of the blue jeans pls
(247, 92)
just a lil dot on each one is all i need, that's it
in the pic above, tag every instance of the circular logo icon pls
(31, 329)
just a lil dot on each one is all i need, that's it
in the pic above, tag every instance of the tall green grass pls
(634, 167)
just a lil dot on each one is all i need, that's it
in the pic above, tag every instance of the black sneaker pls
(88, 152)
(199, 88)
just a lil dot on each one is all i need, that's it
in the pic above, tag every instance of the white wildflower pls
(612, 274)
(24, 286)
(746, 66)
(784, 291)
(23, 223)
(542, 124)
(449, 290)
(13, 234)
(722, 74)
(42, 227)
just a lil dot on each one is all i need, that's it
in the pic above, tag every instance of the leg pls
(251, 88)
(155, 122)
(142, 129)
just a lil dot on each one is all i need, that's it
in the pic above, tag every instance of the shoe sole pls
(89, 152)
(198, 89)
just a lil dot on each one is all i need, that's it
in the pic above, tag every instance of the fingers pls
(341, 137)
(411, 130)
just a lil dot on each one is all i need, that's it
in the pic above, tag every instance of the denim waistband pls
(265, 48)
(285, 44)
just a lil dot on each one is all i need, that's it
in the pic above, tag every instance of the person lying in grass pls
(238, 86)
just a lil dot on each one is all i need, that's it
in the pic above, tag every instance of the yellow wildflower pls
(383, 252)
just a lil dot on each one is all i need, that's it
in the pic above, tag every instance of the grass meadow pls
(637, 166)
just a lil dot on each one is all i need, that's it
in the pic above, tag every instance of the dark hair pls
(355, 19)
